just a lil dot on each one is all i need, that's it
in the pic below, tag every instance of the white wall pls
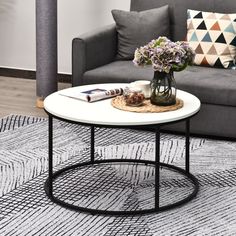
(17, 28)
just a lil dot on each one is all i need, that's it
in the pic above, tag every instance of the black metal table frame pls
(157, 164)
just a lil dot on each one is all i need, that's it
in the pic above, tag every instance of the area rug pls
(26, 210)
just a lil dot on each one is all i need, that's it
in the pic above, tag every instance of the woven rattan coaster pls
(119, 103)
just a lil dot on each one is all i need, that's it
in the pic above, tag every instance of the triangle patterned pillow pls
(213, 37)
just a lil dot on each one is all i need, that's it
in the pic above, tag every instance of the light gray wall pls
(17, 28)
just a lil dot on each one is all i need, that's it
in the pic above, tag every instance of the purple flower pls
(164, 55)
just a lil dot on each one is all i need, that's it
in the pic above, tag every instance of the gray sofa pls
(93, 61)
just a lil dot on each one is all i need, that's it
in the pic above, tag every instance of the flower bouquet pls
(165, 57)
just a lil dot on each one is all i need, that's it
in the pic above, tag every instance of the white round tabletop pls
(103, 113)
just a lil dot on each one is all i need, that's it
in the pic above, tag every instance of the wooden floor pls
(18, 96)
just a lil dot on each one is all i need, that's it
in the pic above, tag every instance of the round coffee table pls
(102, 114)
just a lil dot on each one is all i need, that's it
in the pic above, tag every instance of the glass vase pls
(163, 89)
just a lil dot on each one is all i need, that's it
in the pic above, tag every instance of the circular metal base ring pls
(56, 200)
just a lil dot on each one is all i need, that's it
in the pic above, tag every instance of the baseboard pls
(28, 74)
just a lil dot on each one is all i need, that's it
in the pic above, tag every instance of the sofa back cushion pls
(178, 11)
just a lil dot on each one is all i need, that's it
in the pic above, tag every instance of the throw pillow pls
(213, 37)
(136, 29)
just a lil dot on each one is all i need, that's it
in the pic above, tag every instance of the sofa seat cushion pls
(210, 85)
(117, 72)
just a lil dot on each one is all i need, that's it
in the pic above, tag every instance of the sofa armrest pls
(92, 50)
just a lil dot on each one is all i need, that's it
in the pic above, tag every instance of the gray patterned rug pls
(26, 210)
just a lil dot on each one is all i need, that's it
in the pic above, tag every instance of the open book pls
(93, 94)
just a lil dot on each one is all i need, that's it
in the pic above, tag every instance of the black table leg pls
(50, 155)
(92, 144)
(157, 168)
(157, 164)
(187, 129)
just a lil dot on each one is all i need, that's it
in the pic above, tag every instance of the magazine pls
(93, 94)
